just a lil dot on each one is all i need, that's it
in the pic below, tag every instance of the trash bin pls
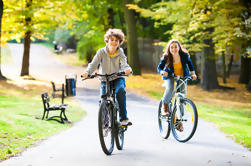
(70, 84)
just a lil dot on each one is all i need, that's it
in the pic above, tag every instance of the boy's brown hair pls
(114, 32)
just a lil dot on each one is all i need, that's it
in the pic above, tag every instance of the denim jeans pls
(169, 84)
(120, 94)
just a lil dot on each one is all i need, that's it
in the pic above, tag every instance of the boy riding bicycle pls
(111, 59)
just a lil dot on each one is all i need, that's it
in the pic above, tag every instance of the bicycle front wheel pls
(184, 120)
(164, 123)
(105, 127)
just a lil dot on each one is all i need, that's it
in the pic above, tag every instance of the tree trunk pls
(193, 58)
(1, 15)
(230, 65)
(244, 72)
(208, 67)
(27, 41)
(26, 54)
(111, 17)
(223, 68)
(132, 40)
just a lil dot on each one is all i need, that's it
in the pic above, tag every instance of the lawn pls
(20, 116)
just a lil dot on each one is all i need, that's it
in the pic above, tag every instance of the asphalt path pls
(79, 145)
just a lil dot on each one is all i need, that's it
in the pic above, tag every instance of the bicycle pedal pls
(124, 126)
(129, 124)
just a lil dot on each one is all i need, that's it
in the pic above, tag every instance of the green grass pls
(20, 119)
(234, 121)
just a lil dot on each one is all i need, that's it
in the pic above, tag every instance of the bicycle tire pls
(189, 114)
(105, 127)
(119, 137)
(164, 123)
(119, 131)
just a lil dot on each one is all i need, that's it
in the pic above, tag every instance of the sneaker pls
(165, 110)
(125, 123)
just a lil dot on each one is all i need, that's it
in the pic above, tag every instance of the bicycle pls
(109, 126)
(182, 111)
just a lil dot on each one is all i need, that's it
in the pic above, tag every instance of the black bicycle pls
(109, 126)
(183, 116)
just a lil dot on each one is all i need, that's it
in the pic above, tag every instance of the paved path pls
(80, 146)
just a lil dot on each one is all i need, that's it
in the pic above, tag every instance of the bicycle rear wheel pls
(184, 120)
(119, 131)
(164, 123)
(105, 127)
(119, 137)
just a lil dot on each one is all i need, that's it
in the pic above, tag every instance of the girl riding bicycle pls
(175, 61)
(112, 59)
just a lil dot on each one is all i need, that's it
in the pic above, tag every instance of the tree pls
(245, 72)
(210, 26)
(132, 40)
(1, 14)
(29, 19)
(27, 38)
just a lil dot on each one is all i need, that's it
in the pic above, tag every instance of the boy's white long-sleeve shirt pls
(108, 65)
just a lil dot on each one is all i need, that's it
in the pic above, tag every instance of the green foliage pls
(89, 43)
(37, 16)
(62, 35)
(192, 19)
(89, 23)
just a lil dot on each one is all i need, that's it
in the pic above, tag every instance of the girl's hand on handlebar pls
(165, 74)
(85, 75)
(194, 76)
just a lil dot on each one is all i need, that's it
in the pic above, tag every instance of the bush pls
(89, 44)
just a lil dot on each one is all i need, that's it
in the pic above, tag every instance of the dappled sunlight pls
(20, 86)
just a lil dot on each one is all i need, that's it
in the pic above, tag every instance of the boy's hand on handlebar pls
(85, 75)
(194, 76)
(127, 72)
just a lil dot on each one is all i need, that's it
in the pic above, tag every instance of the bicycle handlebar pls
(177, 78)
(90, 76)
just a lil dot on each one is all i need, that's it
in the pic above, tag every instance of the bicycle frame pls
(177, 95)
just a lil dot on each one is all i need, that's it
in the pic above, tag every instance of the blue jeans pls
(120, 94)
(169, 84)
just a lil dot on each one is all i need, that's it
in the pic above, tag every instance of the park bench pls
(56, 107)
(58, 92)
